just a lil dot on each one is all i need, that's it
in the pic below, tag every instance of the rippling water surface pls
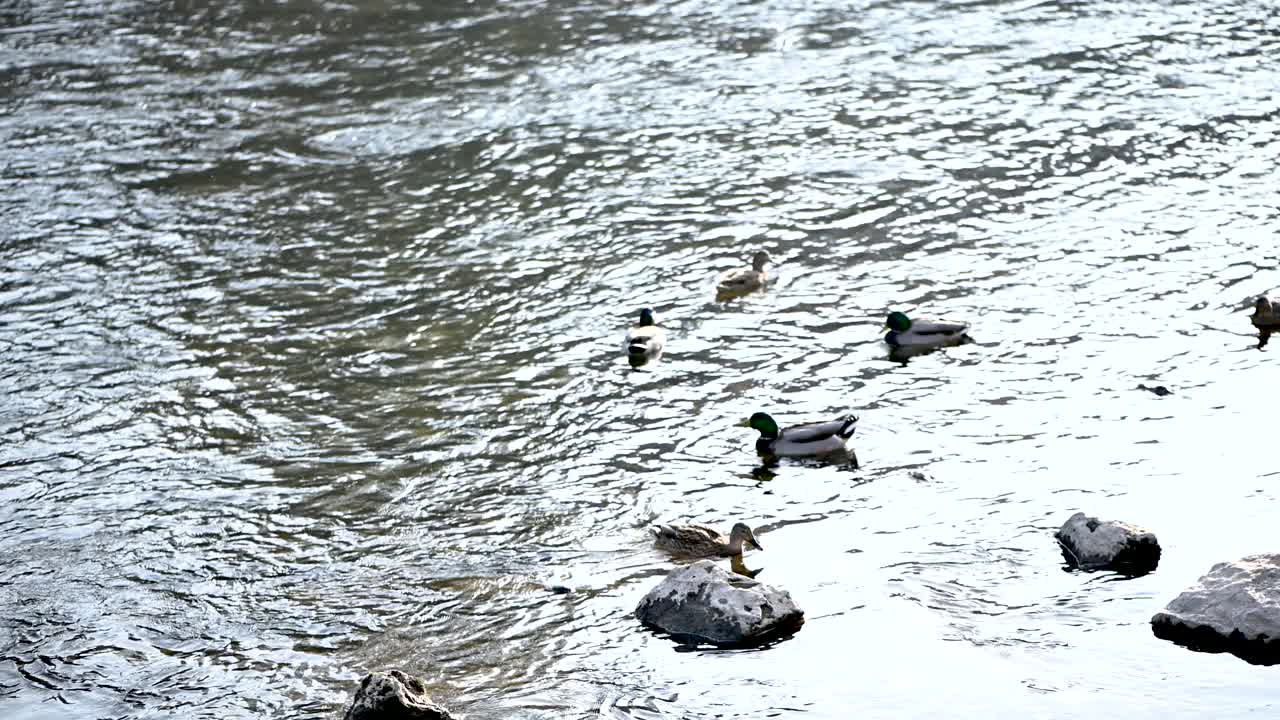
(310, 364)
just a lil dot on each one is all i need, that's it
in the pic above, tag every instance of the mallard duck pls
(644, 342)
(703, 541)
(1264, 315)
(923, 333)
(813, 440)
(744, 280)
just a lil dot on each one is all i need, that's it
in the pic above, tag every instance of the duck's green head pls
(646, 317)
(898, 322)
(765, 424)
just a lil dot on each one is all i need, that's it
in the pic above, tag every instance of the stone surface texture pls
(709, 603)
(1093, 544)
(1234, 608)
(393, 695)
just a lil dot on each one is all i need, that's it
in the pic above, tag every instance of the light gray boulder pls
(705, 602)
(1234, 608)
(393, 695)
(1092, 544)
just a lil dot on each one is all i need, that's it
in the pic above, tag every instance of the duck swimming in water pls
(812, 440)
(645, 341)
(703, 541)
(745, 280)
(1265, 315)
(923, 332)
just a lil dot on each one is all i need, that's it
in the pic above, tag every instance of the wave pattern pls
(310, 323)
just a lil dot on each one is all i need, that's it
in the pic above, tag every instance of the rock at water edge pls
(393, 695)
(1234, 608)
(709, 603)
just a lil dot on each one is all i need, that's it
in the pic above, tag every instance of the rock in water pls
(706, 602)
(393, 695)
(1235, 608)
(1092, 544)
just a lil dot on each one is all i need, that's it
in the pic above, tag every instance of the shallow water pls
(310, 361)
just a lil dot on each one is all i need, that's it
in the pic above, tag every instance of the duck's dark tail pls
(850, 424)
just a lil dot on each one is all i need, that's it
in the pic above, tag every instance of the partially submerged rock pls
(393, 695)
(1235, 608)
(1092, 544)
(705, 602)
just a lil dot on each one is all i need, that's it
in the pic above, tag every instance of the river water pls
(310, 348)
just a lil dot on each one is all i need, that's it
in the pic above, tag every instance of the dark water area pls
(310, 349)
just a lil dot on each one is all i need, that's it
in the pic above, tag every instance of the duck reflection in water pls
(766, 470)
(901, 355)
(764, 473)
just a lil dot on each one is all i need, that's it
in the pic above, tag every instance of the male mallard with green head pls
(644, 342)
(905, 332)
(812, 440)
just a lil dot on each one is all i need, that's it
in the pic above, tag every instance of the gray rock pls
(1092, 544)
(393, 695)
(1235, 608)
(705, 602)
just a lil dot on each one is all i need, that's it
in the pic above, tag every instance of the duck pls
(1264, 315)
(923, 332)
(812, 440)
(745, 280)
(645, 341)
(702, 540)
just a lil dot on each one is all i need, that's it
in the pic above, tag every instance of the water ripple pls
(310, 322)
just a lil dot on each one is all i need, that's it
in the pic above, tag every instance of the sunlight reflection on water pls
(311, 321)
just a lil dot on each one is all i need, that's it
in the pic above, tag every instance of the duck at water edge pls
(703, 541)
